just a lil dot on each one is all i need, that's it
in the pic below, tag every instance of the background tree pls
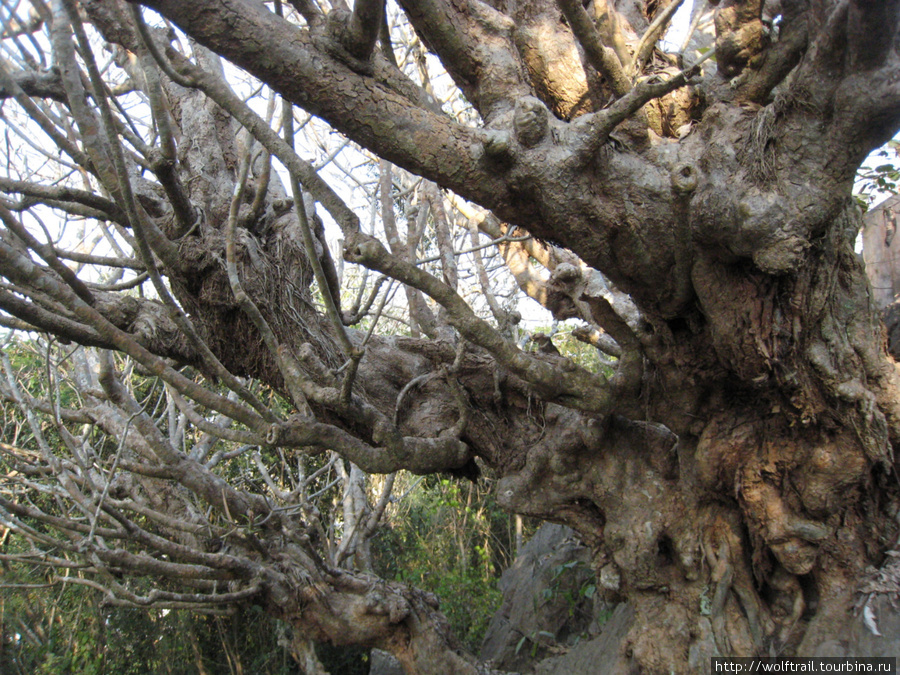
(732, 472)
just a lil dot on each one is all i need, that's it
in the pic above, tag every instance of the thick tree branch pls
(395, 452)
(609, 25)
(309, 10)
(425, 143)
(740, 35)
(872, 31)
(600, 124)
(600, 56)
(45, 84)
(363, 27)
(778, 60)
(577, 388)
(420, 456)
(63, 193)
(651, 36)
(476, 47)
(859, 100)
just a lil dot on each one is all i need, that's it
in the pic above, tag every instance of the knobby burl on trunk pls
(735, 475)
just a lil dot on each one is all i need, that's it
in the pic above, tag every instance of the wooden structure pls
(881, 251)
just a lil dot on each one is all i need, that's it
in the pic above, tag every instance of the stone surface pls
(383, 663)
(599, 656)
(548, 601)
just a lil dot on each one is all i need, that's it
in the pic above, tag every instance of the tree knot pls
(684, 177)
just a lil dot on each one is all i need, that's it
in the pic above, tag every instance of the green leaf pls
(520, 644)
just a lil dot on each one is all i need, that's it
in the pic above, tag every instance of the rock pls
(599, 656)
(891, 318)
(383, 663)
(548, 601)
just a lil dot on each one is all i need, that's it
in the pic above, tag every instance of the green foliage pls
(535, 640)
(468, 598)
(572, 348)
(452, 539)
(72, 632)
(445, 536)
(574, 582)
(49, 627)
(874, 182)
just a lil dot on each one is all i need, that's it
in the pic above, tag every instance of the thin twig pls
(143, 227)
(111, 476)
(651, 37)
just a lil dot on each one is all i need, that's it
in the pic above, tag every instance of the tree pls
(732, 471)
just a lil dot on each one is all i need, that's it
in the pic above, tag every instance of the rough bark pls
(739, 459)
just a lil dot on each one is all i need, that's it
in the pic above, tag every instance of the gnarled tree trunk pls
(735, 475)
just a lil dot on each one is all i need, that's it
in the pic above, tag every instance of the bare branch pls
(222, 94)
(13, 263)
(49, 321)
(35, 113)
(578, 388)
(476, 48)
(425, 129)
(164, 599)
(106, 261)
(603, 58)
(330, 294)
(46, 252)
(39, 85)
(651, 36)
(602, 123)
(363, 27)
(191, 474)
